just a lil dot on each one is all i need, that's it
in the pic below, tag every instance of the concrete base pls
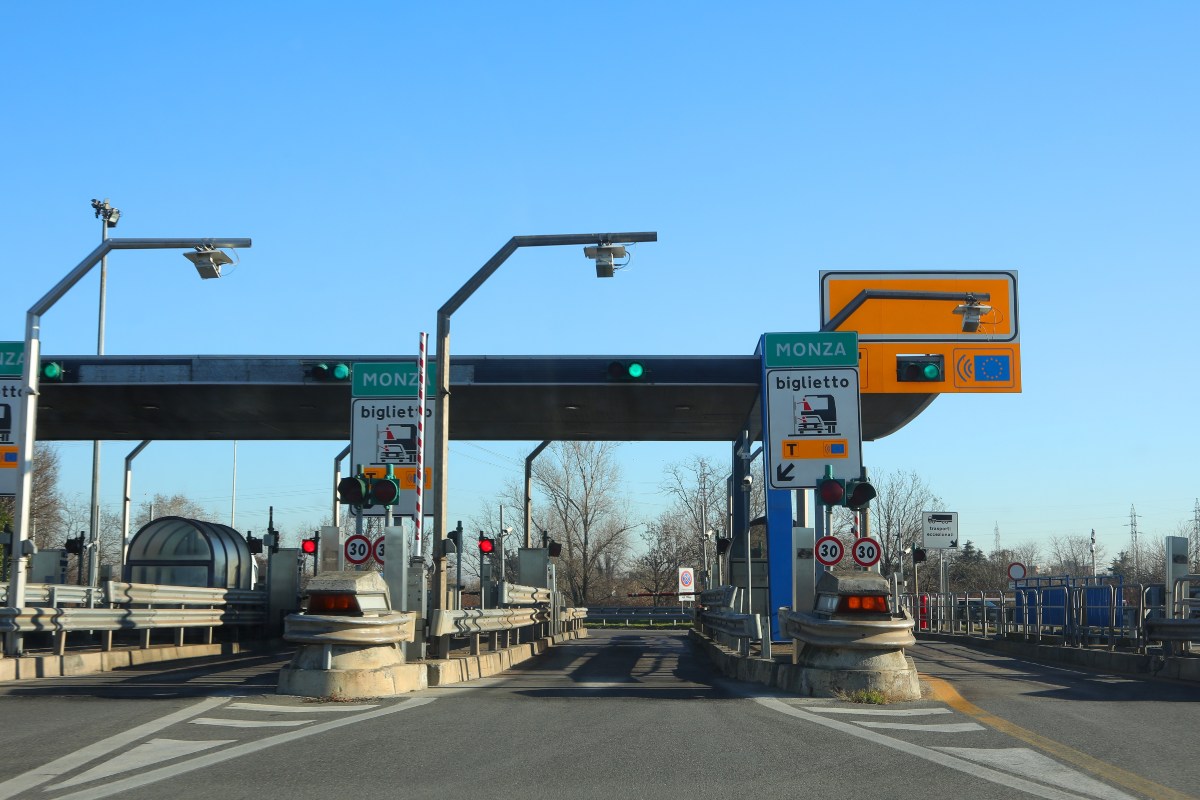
(346, 672)
(823, 677)
(834, 672)
(27, 667)
(445, 672)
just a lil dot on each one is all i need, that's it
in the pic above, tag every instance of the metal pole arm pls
(892, 294)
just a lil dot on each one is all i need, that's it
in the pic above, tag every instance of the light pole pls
(108, 217)
(207, 259)
(603, 246)
(529, 491)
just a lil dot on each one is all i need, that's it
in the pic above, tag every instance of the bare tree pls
(1072, 555)
(896, 514)
(580, 483)
(701, 502)
(669, 546)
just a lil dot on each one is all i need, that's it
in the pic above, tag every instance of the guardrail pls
(624, 615)
(514, 594)
(120, 606)
(1091, 614)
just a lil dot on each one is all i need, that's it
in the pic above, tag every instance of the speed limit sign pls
(829, 550)
(357, 549)
(377, 549)
(866, 552)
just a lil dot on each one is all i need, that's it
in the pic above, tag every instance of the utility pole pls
(1133, 534)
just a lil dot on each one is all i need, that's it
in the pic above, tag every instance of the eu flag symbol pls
(837, 448)
(993, 368)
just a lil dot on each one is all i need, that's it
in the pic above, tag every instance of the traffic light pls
(74, 545)
(332, 373)
(920, 369)
(254, 545)
(354, 491)
(723, 545)
(310, 547)
(386, 491)
(52, 371)
(554, 550)
(859, 494)
(487, 545)
(918, 554)
(453, 541)
(831, 491)
(626, 371)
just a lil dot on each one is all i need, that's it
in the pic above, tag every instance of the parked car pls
(978, 611)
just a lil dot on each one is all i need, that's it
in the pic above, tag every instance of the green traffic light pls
(931, 372)
(635, 369)
(52, 371)
(340, 372)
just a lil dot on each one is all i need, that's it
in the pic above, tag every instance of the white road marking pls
(143, 755)
(209, 759)
(39, 775)
(951, 727)
(880, 712)
(1023, 761)
(250, 723)
(929, 754)
(304, 709)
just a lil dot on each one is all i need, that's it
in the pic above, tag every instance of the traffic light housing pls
(453, 542)
(385, 491)
(487, 545)
(723, 545)
(51, 371)
(921, 369)
(918, 555)
(255, 546)
(831, 491)
(627, 370)
(859, 494)
(74, 545)
(354, 491)
(331, 373)
(554, 550)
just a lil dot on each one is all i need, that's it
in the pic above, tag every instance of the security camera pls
(747, 481)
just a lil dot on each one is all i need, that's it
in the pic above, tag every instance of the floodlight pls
(208, 261)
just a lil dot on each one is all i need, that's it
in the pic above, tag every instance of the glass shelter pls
(189, 552)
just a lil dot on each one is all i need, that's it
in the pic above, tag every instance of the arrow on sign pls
(784, 473)
(954, 542)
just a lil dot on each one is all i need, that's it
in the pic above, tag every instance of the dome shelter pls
(175, 551)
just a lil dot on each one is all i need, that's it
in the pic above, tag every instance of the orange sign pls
(405, 476)
(897, 306)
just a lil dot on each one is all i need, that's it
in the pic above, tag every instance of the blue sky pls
(379, 153)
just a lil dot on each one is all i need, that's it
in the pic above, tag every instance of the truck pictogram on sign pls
(397, 444)
(815, 415)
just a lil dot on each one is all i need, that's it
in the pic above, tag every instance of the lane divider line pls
(947, 694)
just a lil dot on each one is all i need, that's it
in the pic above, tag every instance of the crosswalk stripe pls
(250, 723)
(304, 709)
(879, 712)
(950, 727)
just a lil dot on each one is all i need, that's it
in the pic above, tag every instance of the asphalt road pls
(621, 714)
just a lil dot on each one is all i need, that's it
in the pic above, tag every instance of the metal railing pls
(624, 615)
(119, 606)
(1058, 611)
(721, 618)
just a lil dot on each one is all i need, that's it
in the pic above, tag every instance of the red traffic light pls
(486, 545)
(831, 491)
(859, 494)
(352, 490)
(309, 547)
(385, 491)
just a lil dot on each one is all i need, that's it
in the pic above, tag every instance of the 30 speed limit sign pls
(866, 552)
(829, 551)
(357, 549)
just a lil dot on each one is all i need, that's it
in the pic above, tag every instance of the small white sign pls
(939, 529)
(10, 432)
(687, 584)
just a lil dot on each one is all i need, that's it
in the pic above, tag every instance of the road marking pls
(881, 712)
(1023, 761)
(927, 753)
(251, 723)
(143, 755)
(304, 709)
(209, 759)
(952, 727)
(38, 776)
(1155, 791)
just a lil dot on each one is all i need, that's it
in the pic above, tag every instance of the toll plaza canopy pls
(189, 552)
(514, 398)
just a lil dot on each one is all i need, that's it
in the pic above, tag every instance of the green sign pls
(398, 379)
(12, 359)
(835, 349)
